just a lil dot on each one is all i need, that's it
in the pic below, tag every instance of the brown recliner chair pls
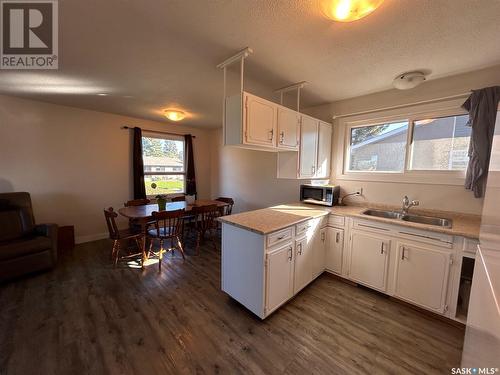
(24, 246)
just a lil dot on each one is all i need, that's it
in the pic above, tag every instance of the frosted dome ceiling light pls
(348, 10)
(408, 80)
(174, 115)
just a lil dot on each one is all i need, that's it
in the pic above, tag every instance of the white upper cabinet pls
(368, 262)
(324, 150)
(422, 275)
(255, 123)
(313, 159)
(260, 121)
(308, 147)
(288, 129)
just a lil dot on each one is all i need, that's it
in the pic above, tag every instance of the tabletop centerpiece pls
(161, 199)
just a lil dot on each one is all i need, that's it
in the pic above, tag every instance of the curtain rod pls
(155, 131)
(457, 96)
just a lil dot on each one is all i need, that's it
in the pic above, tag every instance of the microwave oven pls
(325, 195)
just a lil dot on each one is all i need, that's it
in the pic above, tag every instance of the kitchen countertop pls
(268, 220)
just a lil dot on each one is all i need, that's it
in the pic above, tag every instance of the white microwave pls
(325, 195)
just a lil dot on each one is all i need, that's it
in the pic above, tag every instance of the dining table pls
(143, 214)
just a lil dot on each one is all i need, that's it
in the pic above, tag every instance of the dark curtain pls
(190, 175)
(482, 106)
(138, 166)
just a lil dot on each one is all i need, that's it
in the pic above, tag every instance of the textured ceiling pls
(150, 55)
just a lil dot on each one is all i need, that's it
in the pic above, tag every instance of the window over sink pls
(425, 143)
(164, 164)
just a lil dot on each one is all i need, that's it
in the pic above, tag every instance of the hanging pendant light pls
(348, 10)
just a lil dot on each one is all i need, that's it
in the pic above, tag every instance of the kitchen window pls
(440, 144)
(423, 146)
(164, 164)
(378, 148)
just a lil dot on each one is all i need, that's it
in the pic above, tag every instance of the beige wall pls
(249, 177)
(442, 197)
(76, 162)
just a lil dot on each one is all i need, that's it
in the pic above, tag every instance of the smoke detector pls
(408, 80)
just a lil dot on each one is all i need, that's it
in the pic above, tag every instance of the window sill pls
(429, 178)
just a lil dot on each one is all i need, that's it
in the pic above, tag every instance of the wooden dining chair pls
(167, 226)
(137, 202)
(119, 236)
(204, 222)
(134, 225)
(226, 210)
(179, 198)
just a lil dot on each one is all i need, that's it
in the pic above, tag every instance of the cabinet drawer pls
(302, 228)
(279, 237)
(336, 220)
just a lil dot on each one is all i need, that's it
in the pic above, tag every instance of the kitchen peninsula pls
(269, 255)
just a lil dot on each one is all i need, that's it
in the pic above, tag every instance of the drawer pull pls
(337, 237)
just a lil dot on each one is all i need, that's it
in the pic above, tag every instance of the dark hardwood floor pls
(86, 317)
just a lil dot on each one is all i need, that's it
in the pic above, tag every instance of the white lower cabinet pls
(334, 249)
(279, 276)
(368, 263)
(421, 275)
(319, 252)
(263, 272)
(303, 263)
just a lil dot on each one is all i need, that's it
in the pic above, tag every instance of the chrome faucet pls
(407, 204)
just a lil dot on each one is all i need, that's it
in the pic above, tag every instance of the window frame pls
(410, 114)
(173, 173)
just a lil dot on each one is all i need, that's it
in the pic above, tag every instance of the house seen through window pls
(436, 144)
(163, 164)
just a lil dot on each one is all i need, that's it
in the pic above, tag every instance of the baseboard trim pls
(91, 237)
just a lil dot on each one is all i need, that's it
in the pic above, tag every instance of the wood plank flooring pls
(86, 317)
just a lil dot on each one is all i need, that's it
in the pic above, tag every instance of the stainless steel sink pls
(429, 220)
(384, 214)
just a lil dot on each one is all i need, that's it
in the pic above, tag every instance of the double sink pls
(428, 220)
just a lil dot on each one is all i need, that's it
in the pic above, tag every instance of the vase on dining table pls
(162, 202)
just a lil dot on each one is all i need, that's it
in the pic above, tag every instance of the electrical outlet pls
(359, 191)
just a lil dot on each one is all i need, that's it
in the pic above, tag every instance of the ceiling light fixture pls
(174, 115)
(408, 80)
(102, 94)
(348, 10)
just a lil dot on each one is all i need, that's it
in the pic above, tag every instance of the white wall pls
(442, 197)
(249, 177)
(76, 162)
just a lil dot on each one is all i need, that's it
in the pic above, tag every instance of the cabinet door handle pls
(337, 237)
(290, 253)
(271, 132)
(382, 248)
(282, 137)
(323, 236)
(313, 168)
(300, 248)
(403, 249)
